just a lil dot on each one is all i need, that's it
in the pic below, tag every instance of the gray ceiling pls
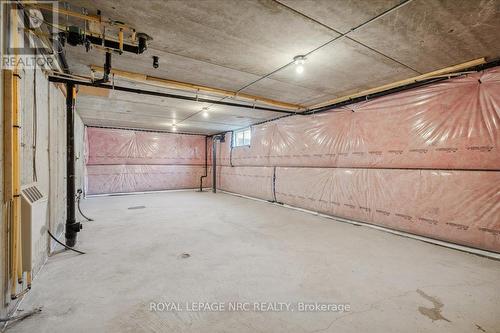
(124, 109)
(244, 45)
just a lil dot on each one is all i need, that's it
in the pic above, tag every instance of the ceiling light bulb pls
(205, 114)
(174, 128)
(299, 61)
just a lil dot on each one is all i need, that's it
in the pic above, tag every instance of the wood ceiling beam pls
(86, 17)
(196, 88)
(61, 11)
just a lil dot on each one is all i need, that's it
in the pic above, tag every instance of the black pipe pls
(274, 184)
(206, 165)
(142, 46)
(107, 69)
(142, 43)
(215, 139)
(72, 227)
(231, 149)
(214, 164)
(57, 79)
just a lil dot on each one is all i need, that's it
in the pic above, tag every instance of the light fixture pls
(204, 112)
(299, 61)
(174, 128)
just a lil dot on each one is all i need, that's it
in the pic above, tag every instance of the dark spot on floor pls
(185, 255)
(137, 207)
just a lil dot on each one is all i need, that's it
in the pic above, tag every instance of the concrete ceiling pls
(246, 45)
(106, 107)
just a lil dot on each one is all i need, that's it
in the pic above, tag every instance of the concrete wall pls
(43, 147)
(57, 159)
(79, 152)
(43, 160)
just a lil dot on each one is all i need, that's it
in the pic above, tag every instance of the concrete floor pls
(249, 251)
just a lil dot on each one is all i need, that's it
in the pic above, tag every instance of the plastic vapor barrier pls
(449, 125)
(117, 146)
(457, 206)
(231, 180)
(424, 161)
(139, 178)
(133, 161)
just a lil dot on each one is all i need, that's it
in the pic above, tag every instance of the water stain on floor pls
(480, 328)
(433, 313)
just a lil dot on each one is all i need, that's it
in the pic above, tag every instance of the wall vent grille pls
(33, 227)
(32, 193)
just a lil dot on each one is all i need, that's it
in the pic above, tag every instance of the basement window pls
(242, 137)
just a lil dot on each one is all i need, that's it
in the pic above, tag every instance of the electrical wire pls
(65, 246)
(78, 197)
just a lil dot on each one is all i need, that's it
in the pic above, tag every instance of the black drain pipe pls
(214, 165)
(107, 69)
(215, 138)
(72, 227)
(206, 165)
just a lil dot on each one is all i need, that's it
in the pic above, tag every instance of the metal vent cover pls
(32, 193)
(33, 226)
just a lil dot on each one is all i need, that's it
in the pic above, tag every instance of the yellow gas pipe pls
(120, 39)
(12, 167)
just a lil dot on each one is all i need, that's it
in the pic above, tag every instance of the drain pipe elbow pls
(206, 164)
